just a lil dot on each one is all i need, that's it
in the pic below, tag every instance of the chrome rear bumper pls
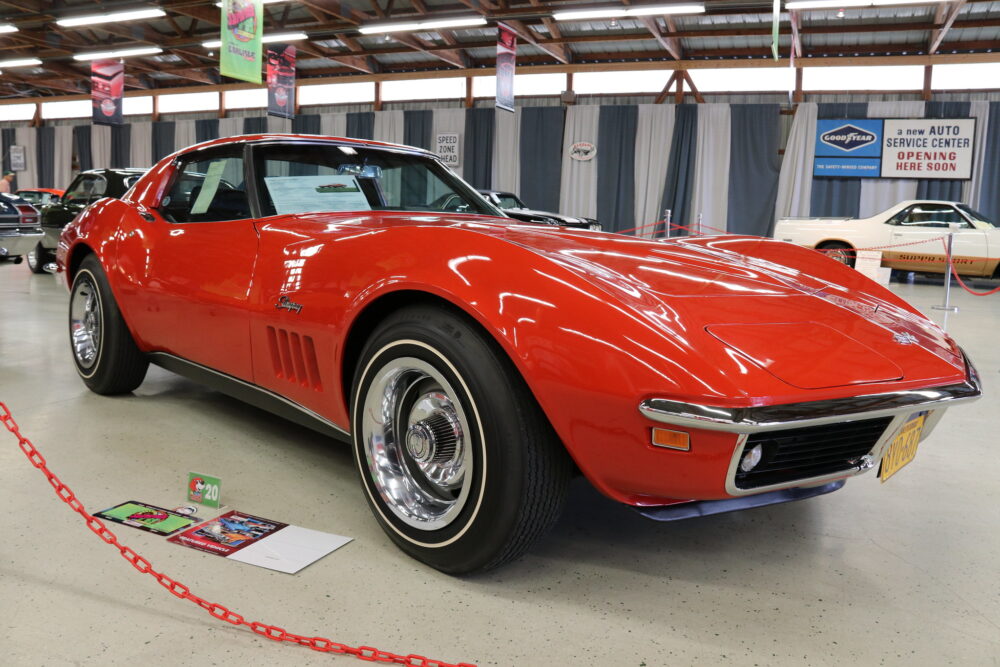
(16, 243)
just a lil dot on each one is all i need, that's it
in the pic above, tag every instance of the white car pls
(909, 236)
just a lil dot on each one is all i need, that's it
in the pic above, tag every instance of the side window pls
(208, 188)
(86, 189)
(931, 215)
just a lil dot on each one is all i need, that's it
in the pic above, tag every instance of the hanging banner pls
(281, 80)
(107, 81)
(506, 55)
(928, 148)
(924, 148)
(241, 29)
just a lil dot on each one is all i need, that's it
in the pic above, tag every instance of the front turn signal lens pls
(678, 440)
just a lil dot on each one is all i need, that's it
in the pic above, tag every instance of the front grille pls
(801, 453)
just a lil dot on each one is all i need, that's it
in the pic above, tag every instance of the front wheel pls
(459, 464)
(107, 358)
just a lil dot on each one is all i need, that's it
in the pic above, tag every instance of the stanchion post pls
(666, 217)
(946, 306)
(698, 232)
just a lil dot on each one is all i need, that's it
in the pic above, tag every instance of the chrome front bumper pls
(899, 405)
(811, 413)
(14, 243)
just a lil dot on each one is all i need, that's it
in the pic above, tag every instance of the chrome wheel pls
(33, 259)
(85, 322)
(416, 442)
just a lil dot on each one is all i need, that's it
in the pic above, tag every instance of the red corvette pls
(476, 362)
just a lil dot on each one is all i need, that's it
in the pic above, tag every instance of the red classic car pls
(476, 362)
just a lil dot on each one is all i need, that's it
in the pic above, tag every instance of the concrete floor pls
(902, 573)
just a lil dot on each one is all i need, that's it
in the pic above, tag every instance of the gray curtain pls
(206, 129)
(81, 147)
(837, 197)
(361, 125)
(255, 125)
(307, 124)
(45, 151)
(989, 202)
(936, 188)
(754, 164)
(680, 166)
(541, 157)
(616, 128)
(478, 151)
(163, 139)
(121, 136)
(417, 126)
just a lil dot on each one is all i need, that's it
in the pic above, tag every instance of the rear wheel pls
(841, 252)
(106, 356)
(38, 257)
(459, 464)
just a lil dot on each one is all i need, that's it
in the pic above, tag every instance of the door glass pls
(932, 215)
(86, 189)
(208, 189)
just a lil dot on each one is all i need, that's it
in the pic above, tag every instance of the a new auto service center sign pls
(895, 148)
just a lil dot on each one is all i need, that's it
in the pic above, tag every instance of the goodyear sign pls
(848, 148)
(895, 148)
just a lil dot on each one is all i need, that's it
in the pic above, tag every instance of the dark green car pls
(86, 188)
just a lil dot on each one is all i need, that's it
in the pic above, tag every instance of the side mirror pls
(956, 226)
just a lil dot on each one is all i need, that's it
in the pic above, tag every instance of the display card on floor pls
(147, 517)
(262, 542)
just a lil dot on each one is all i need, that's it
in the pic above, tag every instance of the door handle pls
(147, 216)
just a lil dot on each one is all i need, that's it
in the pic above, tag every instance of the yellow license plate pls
(903, 447)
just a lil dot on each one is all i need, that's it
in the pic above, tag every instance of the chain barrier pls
(177, 589)
(962, 282)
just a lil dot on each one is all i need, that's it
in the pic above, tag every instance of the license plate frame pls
(903, 448)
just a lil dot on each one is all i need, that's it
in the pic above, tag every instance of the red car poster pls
(107, 82)
(228, 533)
(281, 80)
(506, 55)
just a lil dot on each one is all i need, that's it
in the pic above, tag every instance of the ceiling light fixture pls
(413, 26)
(120, 53)
(841, 4)
(112, 17)
(266, 2)
(20, 62)
(621, 12)
(7, 27)
(266, 39)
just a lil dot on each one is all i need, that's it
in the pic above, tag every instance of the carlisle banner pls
(281, 80)
(107, 79)
(506, 55)
(242, 26)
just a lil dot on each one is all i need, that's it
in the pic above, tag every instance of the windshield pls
(308, 178)
(976, 217)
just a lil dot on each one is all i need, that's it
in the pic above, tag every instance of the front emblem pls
(284, 303)
(848, 138)
(904, 338)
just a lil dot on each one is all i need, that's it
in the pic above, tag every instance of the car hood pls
(801, 326)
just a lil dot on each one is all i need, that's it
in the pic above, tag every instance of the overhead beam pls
(558, 51)
(937, 36)
(795, 20)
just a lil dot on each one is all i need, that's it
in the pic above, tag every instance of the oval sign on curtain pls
(583, 151)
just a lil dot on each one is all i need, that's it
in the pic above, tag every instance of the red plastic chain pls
(179, 590)
(962, 283)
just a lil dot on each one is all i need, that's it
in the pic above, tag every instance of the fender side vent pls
(293, 357)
